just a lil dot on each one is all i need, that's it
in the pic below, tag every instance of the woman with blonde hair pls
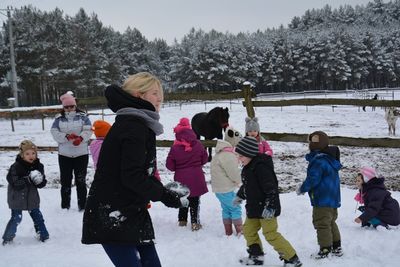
(116, 214)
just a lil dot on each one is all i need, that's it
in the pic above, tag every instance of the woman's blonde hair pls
(141, 83)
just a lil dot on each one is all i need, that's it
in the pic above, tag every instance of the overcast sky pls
(169, 19)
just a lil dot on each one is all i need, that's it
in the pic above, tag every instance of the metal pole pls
(12, 59)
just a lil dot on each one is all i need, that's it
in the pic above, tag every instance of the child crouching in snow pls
(379, 209)
(24, 177)
(260, 189)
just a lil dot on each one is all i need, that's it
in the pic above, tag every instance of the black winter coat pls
(22, 194)
(260, 187)
(124, 182)
(379, 203)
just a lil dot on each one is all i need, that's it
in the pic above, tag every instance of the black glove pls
(173, 200)
(361, 208)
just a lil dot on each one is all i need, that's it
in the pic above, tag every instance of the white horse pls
(391, 116)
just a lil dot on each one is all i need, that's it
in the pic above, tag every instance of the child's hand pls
(268, 213)
(357, 220)
(237, 201)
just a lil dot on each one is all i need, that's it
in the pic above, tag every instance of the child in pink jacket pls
(100, 129)
(186, 158)
(253, 129)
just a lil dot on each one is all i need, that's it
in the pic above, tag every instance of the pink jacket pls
(94, 148)
(264, 148)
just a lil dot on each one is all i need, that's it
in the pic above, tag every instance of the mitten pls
(268, 213)
(77, 141)
(71, 136)
(298, 190)
(237, 201)
(36, 177)
(181, 189)
(171, 199)
(184, 202)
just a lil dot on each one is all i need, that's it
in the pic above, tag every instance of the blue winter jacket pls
(322, 182)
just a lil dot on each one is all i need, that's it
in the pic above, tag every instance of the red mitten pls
(77, 141)
(71, 136)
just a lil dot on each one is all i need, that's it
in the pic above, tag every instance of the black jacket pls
(124, 182)
(379, 203)
(22, 194)
(260, 186)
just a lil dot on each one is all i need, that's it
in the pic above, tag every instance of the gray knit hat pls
(252, 124)
(247, 146)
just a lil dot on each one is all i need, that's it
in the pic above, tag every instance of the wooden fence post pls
(12, 121)
(247, 100)
(43, 115)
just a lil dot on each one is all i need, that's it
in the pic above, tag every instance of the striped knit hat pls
(368, 173)
(247, 146)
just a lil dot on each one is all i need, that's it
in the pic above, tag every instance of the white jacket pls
(225, 172)
(77, 123)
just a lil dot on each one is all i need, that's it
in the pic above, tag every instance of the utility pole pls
(12, 59)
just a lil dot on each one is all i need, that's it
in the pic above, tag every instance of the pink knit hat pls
(183, 124)
(368, 173)
(67, 100)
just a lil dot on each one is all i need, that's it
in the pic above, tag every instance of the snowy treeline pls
(348, 47)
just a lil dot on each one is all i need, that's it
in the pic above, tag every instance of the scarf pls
(151, 118)
(184, 143)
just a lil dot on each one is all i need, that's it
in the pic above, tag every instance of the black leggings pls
(194, 206)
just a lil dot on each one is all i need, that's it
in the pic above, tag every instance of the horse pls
(210, 124)
(391, 116)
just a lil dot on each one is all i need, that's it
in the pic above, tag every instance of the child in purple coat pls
(379, 209)
(186, 158)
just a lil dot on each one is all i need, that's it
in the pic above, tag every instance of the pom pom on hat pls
(247, 146)
(318, 140)
(101, 128)
(68, 100)
(252, 124)
(183, 124)
(26, 145)
(368, 173)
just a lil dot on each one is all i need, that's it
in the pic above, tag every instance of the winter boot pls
(6, 242)
(322, 254)
(337, 249)
(228, 226)
(293, 262)
(182, 223)
(238, 226)
(228, 229)
(196, 226)
(256, 256)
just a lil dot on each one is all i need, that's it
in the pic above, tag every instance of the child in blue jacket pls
(323, 187)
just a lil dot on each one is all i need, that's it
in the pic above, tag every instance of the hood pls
(316, 154)
(186, 134)
(221, 144)
(118, 99)
(376, 182)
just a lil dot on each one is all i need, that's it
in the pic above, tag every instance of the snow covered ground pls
(179, 247)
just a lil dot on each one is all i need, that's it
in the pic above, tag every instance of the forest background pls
(324, 49)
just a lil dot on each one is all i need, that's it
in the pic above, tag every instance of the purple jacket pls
(379, 203)
(94, 148)
(188, 164)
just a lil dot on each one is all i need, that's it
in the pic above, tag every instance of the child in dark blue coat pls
(379, 209)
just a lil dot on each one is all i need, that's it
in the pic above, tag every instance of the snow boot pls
(228, 226)
(293, 262)
(337, 249)
(182, 223)
(238, 226)
(256, 256)
(322, 254)
(196, 226)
